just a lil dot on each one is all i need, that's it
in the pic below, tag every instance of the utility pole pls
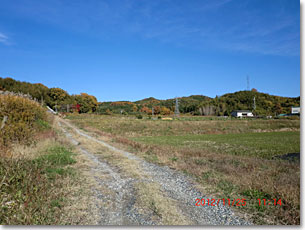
(254, 105)
(152, 111)
(177, 112)
(248, 83)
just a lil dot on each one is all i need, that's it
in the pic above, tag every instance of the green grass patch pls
(226, 187)
(54, 161)
(53, 172)
(173, 159)
(256, 194)
(57, 202)
(265, 145)
(32, 190)
(56, 156)
(151, 157)
(43, 125)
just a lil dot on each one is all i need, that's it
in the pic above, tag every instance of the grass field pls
(132, 127)
(264, 145)
(231, 158)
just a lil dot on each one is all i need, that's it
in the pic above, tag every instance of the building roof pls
(248, 111)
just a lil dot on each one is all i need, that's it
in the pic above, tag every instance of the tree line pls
(59, 99)
(264, 105)
(56, 98)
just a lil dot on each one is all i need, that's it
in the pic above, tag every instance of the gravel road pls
(121, 190)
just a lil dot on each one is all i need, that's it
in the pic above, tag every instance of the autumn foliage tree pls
(146, 110)
(134, 108)
(58, 96)
(165, 111)
(37, 91)
(88, 103)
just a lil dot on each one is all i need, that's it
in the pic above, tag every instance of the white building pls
(242, 113)
(295, 110)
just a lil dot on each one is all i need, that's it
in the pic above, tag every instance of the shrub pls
(24, 118)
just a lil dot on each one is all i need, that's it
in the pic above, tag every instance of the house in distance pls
(295, 110)
(242, 113)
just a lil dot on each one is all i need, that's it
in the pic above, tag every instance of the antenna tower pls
(177, 112)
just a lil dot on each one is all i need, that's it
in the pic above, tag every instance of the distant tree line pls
(59, 99)
(265, 104)
(56, 98)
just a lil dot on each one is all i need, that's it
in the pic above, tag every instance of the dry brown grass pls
(149, 195)
(132, 127)
(222, 175)
(228, 176)
(81, 206)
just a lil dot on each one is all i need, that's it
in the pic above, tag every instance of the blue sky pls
(133, 49)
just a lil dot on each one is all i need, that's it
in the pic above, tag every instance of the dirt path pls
(131, 191)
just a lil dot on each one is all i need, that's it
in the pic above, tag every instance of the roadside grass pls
(32, 190)
(43, 125)
(40, 180)
(53, 163)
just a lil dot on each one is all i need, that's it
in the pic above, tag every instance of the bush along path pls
(130, 191)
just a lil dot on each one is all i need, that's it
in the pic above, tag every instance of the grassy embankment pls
(36, 168)
(231, 158)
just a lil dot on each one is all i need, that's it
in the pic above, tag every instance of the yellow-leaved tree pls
(88, 103)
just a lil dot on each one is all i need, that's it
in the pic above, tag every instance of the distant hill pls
(265, 104)
(194, 105)
(163, 107)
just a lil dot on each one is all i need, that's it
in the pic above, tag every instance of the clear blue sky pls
(133, 49)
